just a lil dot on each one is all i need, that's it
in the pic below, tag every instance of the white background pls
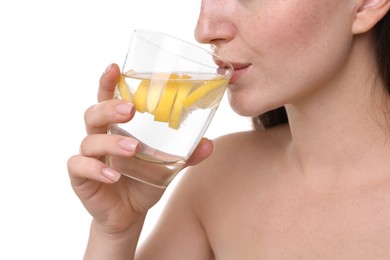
(52, 54)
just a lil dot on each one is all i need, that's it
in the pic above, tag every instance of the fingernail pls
(128, 144)
(124, 108)
(111, 174)
(108, 69)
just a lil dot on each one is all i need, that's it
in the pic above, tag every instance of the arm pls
(178, 233)
(112, 246)
(117, 204)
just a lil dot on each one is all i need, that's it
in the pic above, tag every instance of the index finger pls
(108, 82)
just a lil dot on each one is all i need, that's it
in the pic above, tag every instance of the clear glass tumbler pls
(176, 87)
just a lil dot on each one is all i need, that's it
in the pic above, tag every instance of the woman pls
(316, 187)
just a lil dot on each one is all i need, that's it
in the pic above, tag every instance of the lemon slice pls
(177, 113)
(210, 100)
(170, 97)
(140, 95)
(167, 99)
(204, 90)
(156, 88)
(124, 89)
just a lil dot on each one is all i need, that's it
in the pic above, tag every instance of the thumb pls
(201, 152)
(108, 82)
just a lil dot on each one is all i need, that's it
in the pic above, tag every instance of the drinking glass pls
(176, 87)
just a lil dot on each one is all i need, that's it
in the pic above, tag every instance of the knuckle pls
(72, 162)
(88, 114)
(84, 146)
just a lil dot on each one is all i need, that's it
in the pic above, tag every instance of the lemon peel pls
(167, 99)
(156, 88)
(170, 97)
(177, 113)
(124, 89)
(140, 95)
(202, 91)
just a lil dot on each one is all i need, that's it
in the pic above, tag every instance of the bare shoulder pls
(239, 155)
(242, 147)
(241, 163)
(238, 164)
(244, 188)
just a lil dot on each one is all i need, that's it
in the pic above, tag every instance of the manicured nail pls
(124, 108)
(111, 174)
(128, 144)
(108, 69)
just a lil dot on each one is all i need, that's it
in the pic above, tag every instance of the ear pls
(369, 12)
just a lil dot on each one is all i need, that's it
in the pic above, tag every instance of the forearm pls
(102, 246)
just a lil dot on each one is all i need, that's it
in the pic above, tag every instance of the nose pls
(213, 24)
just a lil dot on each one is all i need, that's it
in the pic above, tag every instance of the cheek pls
(309, 39)
(296, 49)
(289, 31)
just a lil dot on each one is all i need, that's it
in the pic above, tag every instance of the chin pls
(244, 110)
(244, 107)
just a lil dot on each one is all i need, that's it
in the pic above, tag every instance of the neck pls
(336, 129)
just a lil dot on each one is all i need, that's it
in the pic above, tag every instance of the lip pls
(239, 70)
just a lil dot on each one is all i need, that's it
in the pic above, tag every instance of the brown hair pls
(278, 116)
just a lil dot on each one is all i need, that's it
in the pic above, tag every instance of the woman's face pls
(282, 50)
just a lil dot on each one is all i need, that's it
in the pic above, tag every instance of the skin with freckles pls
(317, 187)
(287, 43)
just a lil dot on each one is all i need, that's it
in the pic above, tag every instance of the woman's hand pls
(115, 202)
